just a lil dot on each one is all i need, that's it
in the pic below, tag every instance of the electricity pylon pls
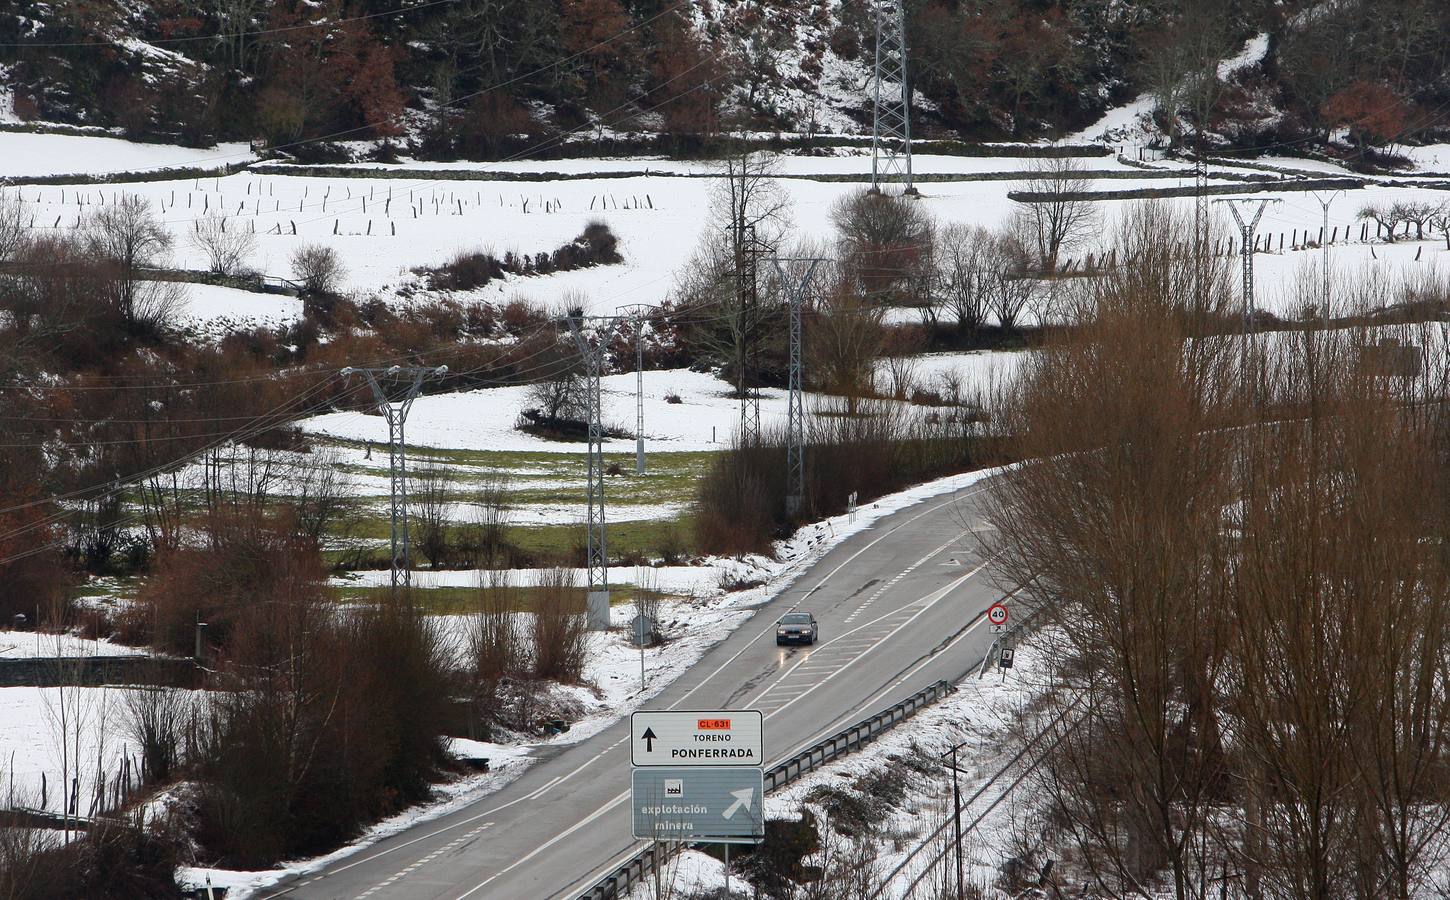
(891, 99)
(395, 411)
(796, 285)
(1246, 234)
(1324, 250)
(638, 314)
(592, 347)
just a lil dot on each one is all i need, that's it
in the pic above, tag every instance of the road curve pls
(900, 605)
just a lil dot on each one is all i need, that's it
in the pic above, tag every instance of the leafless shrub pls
(491, 515)
(885, 244)
(559, 635)
(317, 269)
(226, 249)
(495, 644)
(156, 720)
(428, 510)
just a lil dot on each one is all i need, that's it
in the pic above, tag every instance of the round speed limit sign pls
(997, 614)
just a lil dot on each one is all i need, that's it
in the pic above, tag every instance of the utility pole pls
(797, 289)
(891, 99)
(596, 555)
(1201, 220)
(957, 814)
(1246, 234)
(1324, 250)
(747, 286)
(638, 314)
(396, 414)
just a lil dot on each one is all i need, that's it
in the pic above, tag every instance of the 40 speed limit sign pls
(996, 615)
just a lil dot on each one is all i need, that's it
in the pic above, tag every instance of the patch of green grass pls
(537, 477)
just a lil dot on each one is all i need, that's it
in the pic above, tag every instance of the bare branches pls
(1064, 218)
(226, 250)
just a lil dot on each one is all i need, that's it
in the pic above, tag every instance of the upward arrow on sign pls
(649, 740)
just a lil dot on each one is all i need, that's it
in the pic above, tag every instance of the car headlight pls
(780, 629)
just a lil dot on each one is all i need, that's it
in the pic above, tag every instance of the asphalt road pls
(900, 605)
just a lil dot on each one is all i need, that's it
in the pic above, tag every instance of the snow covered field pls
(211, 311)
(26, 155)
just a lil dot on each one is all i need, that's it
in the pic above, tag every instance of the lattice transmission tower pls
(891, 99)
(393, 405)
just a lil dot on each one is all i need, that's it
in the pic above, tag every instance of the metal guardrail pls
(637, 868)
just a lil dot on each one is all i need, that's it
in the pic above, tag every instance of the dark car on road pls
(798, 627)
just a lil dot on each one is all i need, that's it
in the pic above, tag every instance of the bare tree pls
(1010, 285)
(965, 272)
(1417, 212)
(1440, 219)
(559, 396)
(428, 510)
(13, 227)
(1122, 548)
(1182, 64)
(1385, 218)
(748, 217)
(128, 240)
(322, 494)
(1059, 218)
(226, 250)
(317, 269)
(843, 340)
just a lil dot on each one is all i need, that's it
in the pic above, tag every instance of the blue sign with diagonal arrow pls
(699, 803)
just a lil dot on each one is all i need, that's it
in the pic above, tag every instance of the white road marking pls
(548, 786)
(423, 861)
(900, 575)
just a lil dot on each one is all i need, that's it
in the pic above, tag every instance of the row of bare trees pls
(1242, 546)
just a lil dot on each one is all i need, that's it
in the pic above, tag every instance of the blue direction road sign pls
(698, 803)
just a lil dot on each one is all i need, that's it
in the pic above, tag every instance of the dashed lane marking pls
(424, 860)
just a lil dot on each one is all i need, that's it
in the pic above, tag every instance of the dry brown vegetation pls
(1243, 551)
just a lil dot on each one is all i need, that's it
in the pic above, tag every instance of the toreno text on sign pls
(697, 738)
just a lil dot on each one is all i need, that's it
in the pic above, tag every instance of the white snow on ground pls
(1429, 158)
(978, 372)
(852, 161)
(31, 737)
(1253, 53)
(211, 311)
(484, 419)
(659, 219)
(26, 155)
(974, 717)
(683, 580)
(26, 644)
(614, 667)
(1130, 124)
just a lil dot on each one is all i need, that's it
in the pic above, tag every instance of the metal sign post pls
(697, 776)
